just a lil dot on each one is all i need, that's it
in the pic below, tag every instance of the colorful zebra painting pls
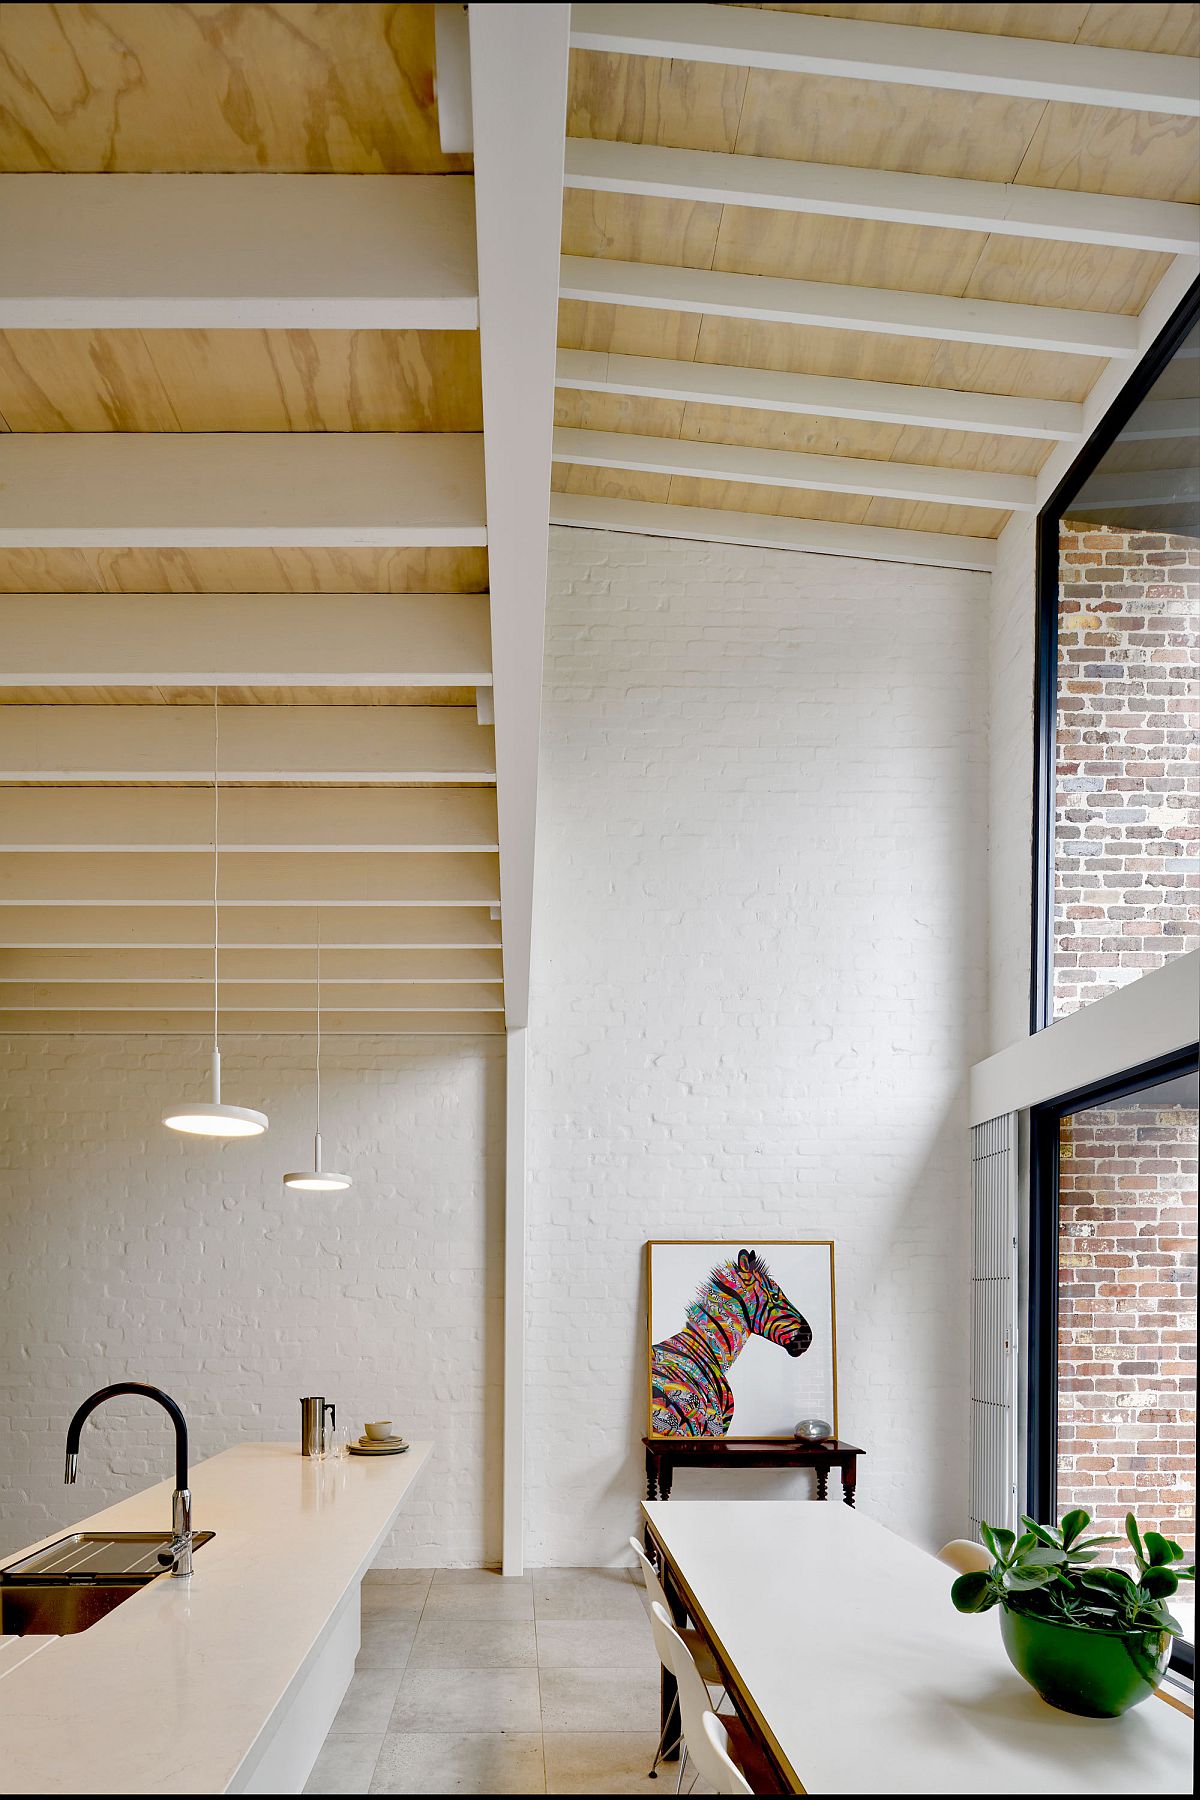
(690, 1395)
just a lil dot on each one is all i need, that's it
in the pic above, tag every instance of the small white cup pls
(379, 1429)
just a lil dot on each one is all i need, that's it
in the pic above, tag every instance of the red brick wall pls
(1128, 787)
(1127, 1316)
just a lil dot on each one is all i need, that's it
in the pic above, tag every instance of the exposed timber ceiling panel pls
(845, 277)
(244, 459)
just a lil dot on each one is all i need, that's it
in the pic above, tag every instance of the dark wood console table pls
(665, 1455)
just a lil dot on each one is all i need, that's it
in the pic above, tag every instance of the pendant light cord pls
(318, 1023)
(216, 863)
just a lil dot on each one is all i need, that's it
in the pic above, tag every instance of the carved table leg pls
(651, 1475)
(666, 1474)
(849, 1479)
(822, 1470)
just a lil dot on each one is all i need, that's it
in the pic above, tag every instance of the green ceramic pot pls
(1099, 1674)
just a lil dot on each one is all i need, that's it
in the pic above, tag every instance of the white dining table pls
(848, 1660)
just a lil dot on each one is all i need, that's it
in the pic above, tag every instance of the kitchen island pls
(225, 1682)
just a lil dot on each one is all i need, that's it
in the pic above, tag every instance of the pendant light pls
(317, 1180)
(215, 1118)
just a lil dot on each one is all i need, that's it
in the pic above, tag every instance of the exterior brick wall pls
(1128, 785)
(1127, 1316)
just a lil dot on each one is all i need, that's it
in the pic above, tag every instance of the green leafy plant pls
(1049, 1572)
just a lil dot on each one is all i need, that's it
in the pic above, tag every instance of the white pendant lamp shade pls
(215, 1118)
(318, 1179)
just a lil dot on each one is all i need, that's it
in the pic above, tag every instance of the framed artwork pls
(742, 1337)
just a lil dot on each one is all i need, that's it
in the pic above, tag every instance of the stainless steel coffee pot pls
(313, 1438)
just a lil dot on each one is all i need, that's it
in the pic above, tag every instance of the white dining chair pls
(965, 1555)
(716, 1765)
(701, 1655)
(694, 1703)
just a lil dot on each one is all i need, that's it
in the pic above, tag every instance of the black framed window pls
(1112, 1303)
(1117, 776)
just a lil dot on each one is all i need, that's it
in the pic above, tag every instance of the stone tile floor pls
(468, 1683)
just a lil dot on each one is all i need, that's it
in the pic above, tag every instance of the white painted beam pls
(904, 55)
(452, 81)
(714, 525)
(246, 996)
(284, 820)
(792, 469)
(279, 489)
(250, 1024)
(244, 640)
(823, 306)
(714, 177)
(1155, 420)
(385, 968)
(519, 57)
(1159, 309)
(379, 744)
(180, 878)
(253, 928)
(249, 252)
(819, 396)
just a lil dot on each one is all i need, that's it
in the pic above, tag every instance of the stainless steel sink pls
(58, 1608)
(75, 1581)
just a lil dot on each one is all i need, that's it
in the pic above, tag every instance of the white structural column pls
(516, 1075)
(519, 105)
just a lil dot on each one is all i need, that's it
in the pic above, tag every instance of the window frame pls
(1045, 702)
(1041, 1372)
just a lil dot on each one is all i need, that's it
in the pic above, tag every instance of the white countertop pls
(844, 1637)
(169, 1693)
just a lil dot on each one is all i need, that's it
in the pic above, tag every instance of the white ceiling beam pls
(182, 878)
(249, 252)
(817, 396)
(409, 821)
(244, 640)
(792, 469)
(519, 58)
(1170, 293)
(380, 744)
(713, 525)
(714, 177)
(1155, 420)
(232, 489)
(299, 997)
(83, 926)
(452, 82)
(784, 301)
(904, 55)
(250, 1024)
(386, 968)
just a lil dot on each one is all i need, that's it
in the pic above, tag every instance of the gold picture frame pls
(729, 1250)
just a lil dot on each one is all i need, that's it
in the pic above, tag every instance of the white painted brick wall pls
(129, 1253)
(1012, 644)
(759, 979)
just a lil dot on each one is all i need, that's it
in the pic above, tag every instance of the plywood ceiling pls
(868, 124)
(231, 90)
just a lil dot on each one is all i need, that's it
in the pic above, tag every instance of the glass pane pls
(1127, 1310)
(1127, 795)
